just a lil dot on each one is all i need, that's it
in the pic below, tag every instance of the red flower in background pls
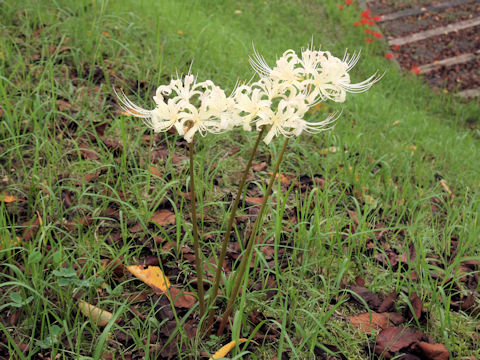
(348, 2)
(377, 18)
(415, 69)
(377, 35)
(396, 47)
(340, 7)
(368, 31)
(366, 14)
(389, 56)
(368, 40)
(357, 23)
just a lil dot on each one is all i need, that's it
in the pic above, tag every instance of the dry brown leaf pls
(252, 201)
(361, 292)
(91, 177)
(152, 276)
(388, 302)
(433, 351)
(368, 322)
(95, 314)
(31, 227)
(393, 339)
(154, 171)
(88, 154)
(259, 167)
(63, 105)
(224, 350)
(163, 217)
(183, 299)
(417, 306)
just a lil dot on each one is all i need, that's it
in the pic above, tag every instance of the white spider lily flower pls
(249, 102)
(167, 115)
(325, 76)
(188, 106)
(214, 114)
(185, 88)
(275, 88)
(287, 68)
(220, 106)
(200, 120)
(285, 120)
(162, 118)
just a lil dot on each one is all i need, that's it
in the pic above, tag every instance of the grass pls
(393, 145)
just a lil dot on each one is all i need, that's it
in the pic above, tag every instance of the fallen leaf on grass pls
(388, 302)
(259, 167)
(7, 198)
(163, 217)
(433, 351)
(152, 276)
(99, 316)
(283, 178)
(253, 201)
(445, 187)
(91, 177)
(417, 306)
(224, 350)
(183, 299)
(393, 339)
(321, 353)
(88, 154)
(32, 227)
(115, 267)
(368, 322)
(363, 293)
(154, 171)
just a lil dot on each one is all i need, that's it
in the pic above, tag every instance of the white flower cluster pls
(279, 100)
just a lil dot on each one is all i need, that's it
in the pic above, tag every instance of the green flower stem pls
(196, 245)
(226, 238)
(251, 241)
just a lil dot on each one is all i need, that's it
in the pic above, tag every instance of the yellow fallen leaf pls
(99, 316)
(445, 187)
(152, 276)
(224, 350)
(106, 34)
(180, 32)
(7, 198)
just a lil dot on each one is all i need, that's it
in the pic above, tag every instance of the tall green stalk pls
(247, 255)
(223, 252)
(196, 245)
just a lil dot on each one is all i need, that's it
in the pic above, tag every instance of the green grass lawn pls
(401, 158)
